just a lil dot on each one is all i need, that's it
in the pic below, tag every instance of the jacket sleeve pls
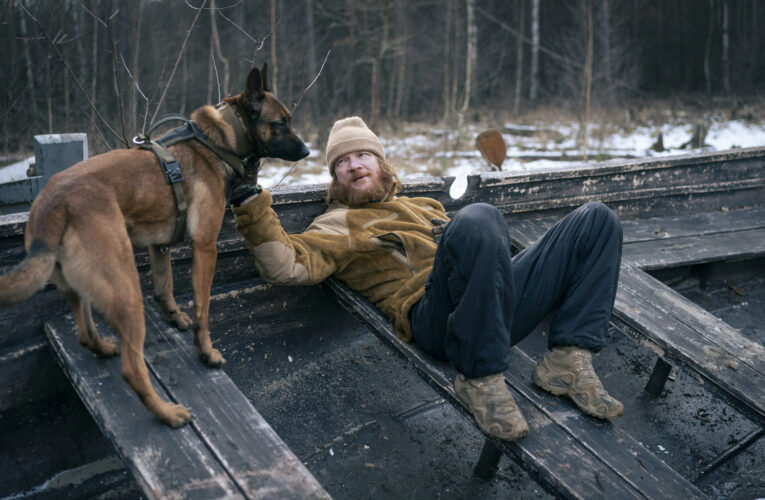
(297, 259)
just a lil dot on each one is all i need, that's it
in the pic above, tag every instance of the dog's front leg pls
(162, 276)
(204, 255)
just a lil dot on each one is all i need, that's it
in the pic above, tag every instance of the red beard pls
(353, 196)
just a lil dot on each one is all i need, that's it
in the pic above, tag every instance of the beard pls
(353, 196)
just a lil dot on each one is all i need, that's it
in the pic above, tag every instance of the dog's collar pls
(244, 146)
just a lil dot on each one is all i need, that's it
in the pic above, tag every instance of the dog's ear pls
(264, 77)
(254, 89)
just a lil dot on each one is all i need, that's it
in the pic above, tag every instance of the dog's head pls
(268, 120)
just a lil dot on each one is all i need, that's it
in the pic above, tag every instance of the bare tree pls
(219, 52)
(519, 56)
(274, 59)
(534, 83)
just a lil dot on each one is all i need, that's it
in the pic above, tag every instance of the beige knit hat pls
(350, 135)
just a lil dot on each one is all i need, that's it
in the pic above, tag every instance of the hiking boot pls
(568, 370)
(492, 406)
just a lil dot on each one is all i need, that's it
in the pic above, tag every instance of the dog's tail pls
(29, 276)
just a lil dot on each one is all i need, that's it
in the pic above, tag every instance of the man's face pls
(359, 179)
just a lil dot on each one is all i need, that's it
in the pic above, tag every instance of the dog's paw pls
(213, 358)
(175, 415)
(179, 319)
(108, 347)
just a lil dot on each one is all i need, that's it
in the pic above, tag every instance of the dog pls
(83, 222)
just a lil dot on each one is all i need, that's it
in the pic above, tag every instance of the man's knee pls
(478, 221)
(601, 216)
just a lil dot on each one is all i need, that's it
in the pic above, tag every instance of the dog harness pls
(172, 169)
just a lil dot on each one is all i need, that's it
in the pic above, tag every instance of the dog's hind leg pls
(86, 327)
(103, 270)
(128, 320)
(162, 276)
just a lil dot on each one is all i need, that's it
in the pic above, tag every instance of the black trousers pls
(480, 300)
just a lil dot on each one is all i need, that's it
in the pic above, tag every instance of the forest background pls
(109, 68)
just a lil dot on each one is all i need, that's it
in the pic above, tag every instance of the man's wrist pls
(244, 193)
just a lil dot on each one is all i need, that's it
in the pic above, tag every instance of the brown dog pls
(82, 224)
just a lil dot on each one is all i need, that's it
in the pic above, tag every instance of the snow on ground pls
(16, 171)
(431, 151)
(424, 150)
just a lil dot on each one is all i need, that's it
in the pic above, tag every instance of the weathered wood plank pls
(239, 437)
(704, 223)
(228, 450)
(569, 462)
(634, 463)
(687, 250)
(166, 463)
(680, 329)
(705, 344)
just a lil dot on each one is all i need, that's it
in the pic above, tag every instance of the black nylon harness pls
(172, 169)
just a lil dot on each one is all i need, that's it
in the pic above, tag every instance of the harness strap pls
(174, 177)
(170, 166)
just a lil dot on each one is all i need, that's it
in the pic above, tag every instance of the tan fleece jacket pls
(383, 250)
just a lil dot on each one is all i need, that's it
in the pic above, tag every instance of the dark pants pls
(480, 300)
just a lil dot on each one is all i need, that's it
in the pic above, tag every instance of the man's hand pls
(439, 226)
(242, 192)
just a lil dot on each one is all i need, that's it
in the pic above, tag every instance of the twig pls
(289, 171)
(180, 54)
(295, 104)
(116, 79)
(215, 70)
(70, 71)
(515, 32)
(92, 14)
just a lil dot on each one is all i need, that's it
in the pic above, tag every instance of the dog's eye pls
(279, 126)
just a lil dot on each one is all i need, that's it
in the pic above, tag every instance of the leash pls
(172, 169)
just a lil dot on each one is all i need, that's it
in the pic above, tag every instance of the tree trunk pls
(313, 104)
(447, 49)
(29, 66)
(588, 78)
(94, 59)
(534, 83)
(134, 67)
(725, 48)
(401, 82)
(708, 48)
(471, 53)
(607, 51)
(274, 61)
(219, 53)
(519, 56)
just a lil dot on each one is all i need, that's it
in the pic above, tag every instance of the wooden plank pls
(680, 329)
(163, 461)
(663, 253)
(704, 223)
(228, 450)
(560, 450)
(685, 331)
(633, 462)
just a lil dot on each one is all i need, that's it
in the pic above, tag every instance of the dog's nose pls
(304, 151)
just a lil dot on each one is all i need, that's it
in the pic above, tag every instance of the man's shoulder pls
(333, 221)
(421, 201)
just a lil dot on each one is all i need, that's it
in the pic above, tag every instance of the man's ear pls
(255, 89)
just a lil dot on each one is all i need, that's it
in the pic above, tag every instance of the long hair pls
(391, 183)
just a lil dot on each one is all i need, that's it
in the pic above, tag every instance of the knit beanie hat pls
(348, 136)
